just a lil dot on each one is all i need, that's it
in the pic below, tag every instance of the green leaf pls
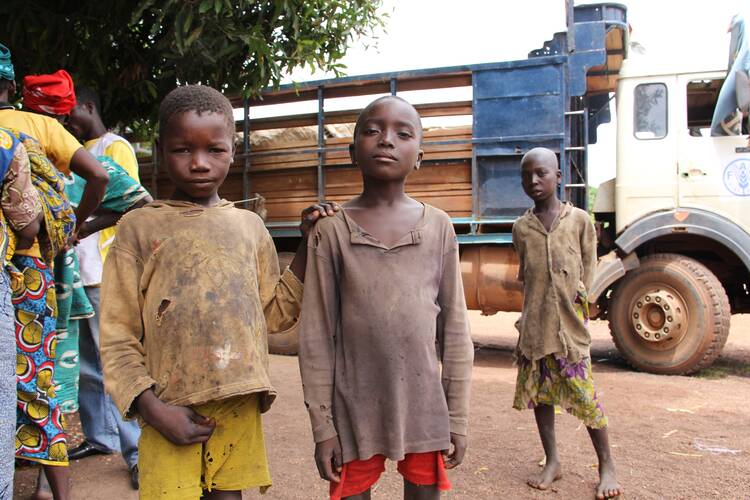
(205, 6)
(193, 36)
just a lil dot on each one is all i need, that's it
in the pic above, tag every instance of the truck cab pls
(676, 220)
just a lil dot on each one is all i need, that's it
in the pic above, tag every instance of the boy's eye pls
(180, 150)
(371, 130)
(405, 134)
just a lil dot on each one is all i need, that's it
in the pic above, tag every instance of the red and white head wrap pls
(52, 94)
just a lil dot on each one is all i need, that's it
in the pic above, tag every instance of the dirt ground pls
(672, 437)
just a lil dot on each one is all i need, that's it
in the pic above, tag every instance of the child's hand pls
(311, 214)
(459, 450)
(179, 424)
(328, 459)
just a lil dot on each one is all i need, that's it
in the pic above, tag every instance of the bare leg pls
(59, 481)
(43, 492)
(608, 486)
(545, 422)
(223, 495)
(365, 495)
(416, 492)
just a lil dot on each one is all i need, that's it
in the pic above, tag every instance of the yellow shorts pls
(234, 458)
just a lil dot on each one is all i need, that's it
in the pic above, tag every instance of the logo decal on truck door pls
(737, 177)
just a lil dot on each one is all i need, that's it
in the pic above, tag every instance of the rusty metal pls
(490, 277)
(659, 315)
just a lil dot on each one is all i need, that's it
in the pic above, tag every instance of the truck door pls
(646, 146)
(713, 172)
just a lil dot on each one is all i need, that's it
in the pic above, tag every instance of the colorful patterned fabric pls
(72, 305)
(8, 148)
(40, 435)
(553, 380)
(6, 66)
(20, 202)
(122, 190)
(59, 217)
(556, 380)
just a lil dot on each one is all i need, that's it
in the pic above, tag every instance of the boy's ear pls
(89, 107)
(351, 154)
(419, 159)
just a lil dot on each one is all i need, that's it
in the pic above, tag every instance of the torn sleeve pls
(588, 252)
(122, 351)
(320, 316)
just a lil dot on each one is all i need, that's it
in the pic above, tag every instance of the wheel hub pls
(659, 315)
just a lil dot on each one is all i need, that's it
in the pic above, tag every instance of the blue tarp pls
(727, 119)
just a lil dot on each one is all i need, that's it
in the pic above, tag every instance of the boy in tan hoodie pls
(190, 288)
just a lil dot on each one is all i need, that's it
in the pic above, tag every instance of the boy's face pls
(387, 145)
(80, 119)
(540, 178)
(198, 151)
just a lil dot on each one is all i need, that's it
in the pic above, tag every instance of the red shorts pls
(424, 469)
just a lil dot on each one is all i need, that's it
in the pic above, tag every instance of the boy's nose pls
(199, 163)
(386, 138)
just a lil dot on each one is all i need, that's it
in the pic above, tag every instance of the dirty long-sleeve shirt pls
(188, 295)
(554, 267)
(376, 322)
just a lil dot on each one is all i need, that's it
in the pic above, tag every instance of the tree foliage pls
(135, 51)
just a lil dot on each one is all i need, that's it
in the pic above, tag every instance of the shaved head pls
(540, 156)
(365, 113)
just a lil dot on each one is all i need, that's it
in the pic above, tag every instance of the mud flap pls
(609, 269)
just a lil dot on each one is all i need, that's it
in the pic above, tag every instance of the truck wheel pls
(284, 342)
(671, 315)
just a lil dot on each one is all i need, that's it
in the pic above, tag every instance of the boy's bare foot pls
(608, 486)
(552, 472)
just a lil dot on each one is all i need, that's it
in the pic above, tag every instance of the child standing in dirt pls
(556, 244)
(191, 286)
(384, 289)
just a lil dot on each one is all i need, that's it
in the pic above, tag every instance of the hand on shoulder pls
(312, 214)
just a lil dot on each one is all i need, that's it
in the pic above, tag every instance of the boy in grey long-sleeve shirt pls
(383, 290)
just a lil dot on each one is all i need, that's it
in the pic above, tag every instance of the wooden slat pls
(356, 87)
(350, 116)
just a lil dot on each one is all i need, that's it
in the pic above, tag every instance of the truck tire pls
(287, 342)
(670, 315)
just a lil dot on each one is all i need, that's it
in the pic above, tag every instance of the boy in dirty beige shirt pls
(556, 245)
(190, 288)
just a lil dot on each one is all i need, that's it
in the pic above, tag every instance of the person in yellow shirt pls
(104, 430)
(62, 149)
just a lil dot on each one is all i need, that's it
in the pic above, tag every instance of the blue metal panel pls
(500, 192)
(285, 233)
(482, 239)
(609, 12)
(518, 101)
(540, 79)
(590, 51)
